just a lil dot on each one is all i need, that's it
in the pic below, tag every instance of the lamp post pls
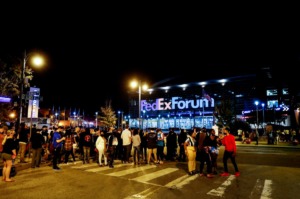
(256, 103)
(96, 119)
(138, 84)
(263, 114)
(37, 61)
(119, 119)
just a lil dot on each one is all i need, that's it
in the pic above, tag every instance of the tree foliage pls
(224, 113)
(10, 81)
(107, 117)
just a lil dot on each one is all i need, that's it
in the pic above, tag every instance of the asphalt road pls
(266, 172)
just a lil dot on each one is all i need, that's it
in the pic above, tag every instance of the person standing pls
(136, 144)
(126, 140)
(68, 145)
(190, 150)
(181, 141)
(228, 141)
(57, 142)
(160, 145)
(37, 140)
(8, 155)
(151, 146)
(23, 137)
(171, 145)
(112, 142)
(204, 155)
(101, 147)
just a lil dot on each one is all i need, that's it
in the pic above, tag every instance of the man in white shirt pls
(126, 140)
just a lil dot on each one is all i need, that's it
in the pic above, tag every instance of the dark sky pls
(89, 63)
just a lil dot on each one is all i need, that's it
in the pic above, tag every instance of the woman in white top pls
(101, 147)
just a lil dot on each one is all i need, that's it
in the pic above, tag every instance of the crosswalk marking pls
(130, 171)
(83, 166)
(257, 189)
(267, 190)
(104, 168)
(143, 194)
(154, 175)
(262, 189)
(220, 191)
(180, 182)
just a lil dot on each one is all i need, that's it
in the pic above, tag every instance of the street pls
(266, 172)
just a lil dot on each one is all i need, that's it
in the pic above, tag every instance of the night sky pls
(89, 64)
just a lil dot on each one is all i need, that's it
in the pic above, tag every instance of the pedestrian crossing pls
(148, 174)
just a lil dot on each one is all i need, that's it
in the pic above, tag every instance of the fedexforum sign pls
(176, 103)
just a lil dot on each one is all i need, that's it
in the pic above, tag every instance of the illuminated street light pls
(36, 61)
(256, 103)
(96, 119)
(138, 84)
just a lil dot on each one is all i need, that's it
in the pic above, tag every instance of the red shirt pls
(229, 142)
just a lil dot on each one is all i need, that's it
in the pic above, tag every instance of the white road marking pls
(267, 190)
(256, 191)
(144, 194)
(154, 175)
(180, 182)
(130, 171)
(220, 191)
(104, 168)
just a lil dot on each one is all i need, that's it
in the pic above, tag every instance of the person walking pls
(228, 141)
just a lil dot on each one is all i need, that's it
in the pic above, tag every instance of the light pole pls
(96, 119)
(138, 84)
(119, 119)
(263, 114)
(37, 61)
(256, 103)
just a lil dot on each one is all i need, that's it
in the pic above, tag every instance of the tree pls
(108, 117)
(224, 113)
(10, 81)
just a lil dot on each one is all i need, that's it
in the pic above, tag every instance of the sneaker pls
(224, 174)
(56, 168)
(201, 174)
(237, 174)
(210, 175)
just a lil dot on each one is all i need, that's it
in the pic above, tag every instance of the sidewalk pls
(262, 142)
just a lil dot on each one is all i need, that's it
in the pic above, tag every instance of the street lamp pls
(119, 119)
(96, 119)
(256, 103)
(263, 114)
(37, 61)
(138, 84)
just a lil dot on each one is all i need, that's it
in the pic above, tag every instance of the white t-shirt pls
(126, 137)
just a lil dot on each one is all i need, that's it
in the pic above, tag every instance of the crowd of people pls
(58, 145)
